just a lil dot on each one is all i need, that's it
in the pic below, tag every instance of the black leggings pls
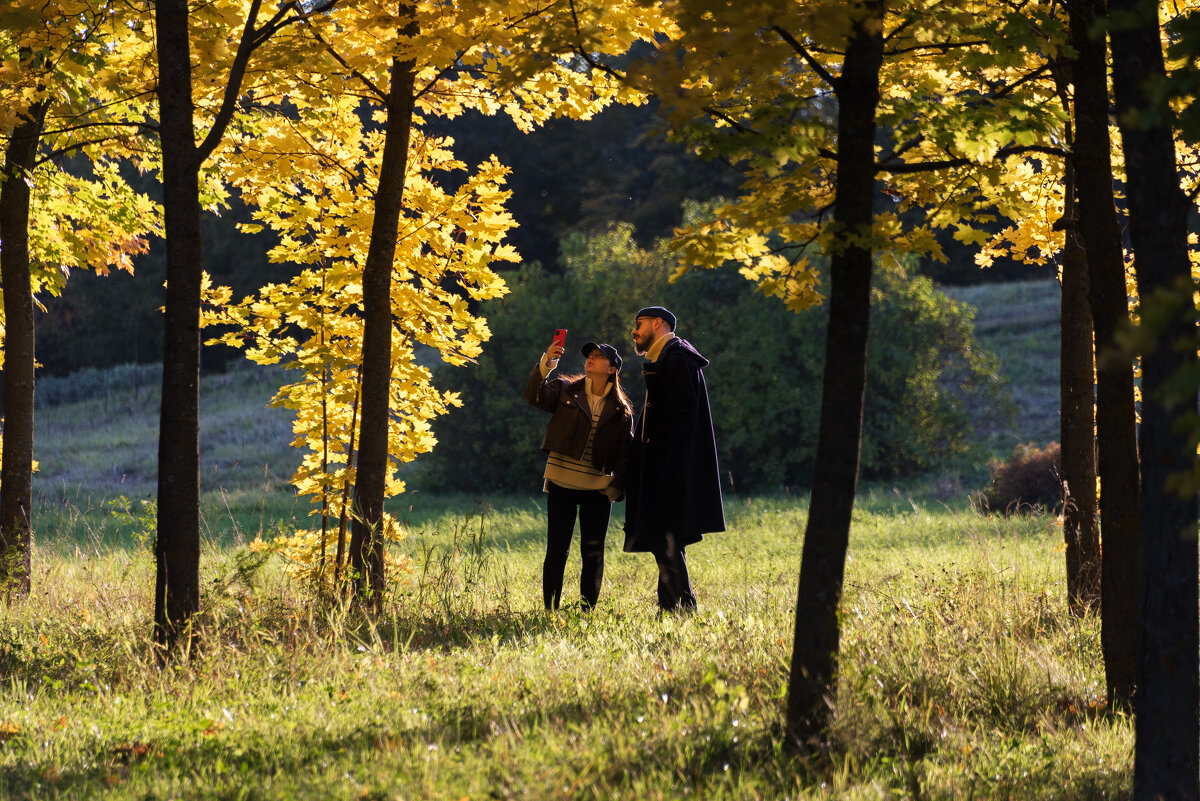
(593, 509)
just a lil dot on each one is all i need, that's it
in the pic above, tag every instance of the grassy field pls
(1019, 323)
(962, 675)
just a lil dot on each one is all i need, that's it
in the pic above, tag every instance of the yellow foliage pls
(961, 83)
(310, 166)
(310, 554)
(86, 61)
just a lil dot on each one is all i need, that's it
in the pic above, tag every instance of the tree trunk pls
(1078, 422)
(366, 536)
(177, 547)
(16, 465)
(1167, 702)
(812, 684)
(1116, 430)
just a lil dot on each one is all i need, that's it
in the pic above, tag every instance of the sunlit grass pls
(962, 675)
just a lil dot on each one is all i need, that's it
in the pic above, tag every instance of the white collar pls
(587, 387)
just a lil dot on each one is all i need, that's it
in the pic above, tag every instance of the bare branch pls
(252, 38)
(377, 93)
(816, 66)
(898, 168)
(942, 47)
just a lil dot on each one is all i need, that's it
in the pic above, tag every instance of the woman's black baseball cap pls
(609, 352)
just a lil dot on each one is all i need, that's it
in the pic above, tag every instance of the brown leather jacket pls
(571, 422)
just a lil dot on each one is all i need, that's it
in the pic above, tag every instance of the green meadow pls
(962, 675)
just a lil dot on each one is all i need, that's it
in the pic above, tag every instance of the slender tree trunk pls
(340, 557)
(1167, 702)
(1078, 422)
(1116, 431)
(16, 469)
(813, 680)
(366, 535)
(177, 548)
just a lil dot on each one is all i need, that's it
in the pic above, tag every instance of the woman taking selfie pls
(588, 441)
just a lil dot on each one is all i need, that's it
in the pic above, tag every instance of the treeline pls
(566, 176)
(616, 168)
(934, 391)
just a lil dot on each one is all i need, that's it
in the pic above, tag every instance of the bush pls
(1031, 479)
(924, 370)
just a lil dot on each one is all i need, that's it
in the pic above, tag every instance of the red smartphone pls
(560, 337)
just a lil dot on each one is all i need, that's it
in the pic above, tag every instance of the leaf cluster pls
(306, 151)
(82, 66)
(964, 88)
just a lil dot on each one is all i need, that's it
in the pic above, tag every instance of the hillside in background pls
(97, 430)
(1019, 323)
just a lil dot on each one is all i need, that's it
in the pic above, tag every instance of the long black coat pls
(673, 483)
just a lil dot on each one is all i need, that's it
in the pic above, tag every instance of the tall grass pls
(97, 445)
(962, 675)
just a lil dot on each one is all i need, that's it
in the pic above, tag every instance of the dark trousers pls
(674, 584)
(593, 509)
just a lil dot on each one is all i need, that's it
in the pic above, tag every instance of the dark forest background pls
(567, 178)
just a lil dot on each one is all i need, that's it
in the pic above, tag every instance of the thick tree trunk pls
(1116, 430)
(16, 470)
(366, 536)
(813, 680)
(177, 548)
(1077, 423)
(1167, 701)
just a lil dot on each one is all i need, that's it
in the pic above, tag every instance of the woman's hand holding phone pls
(557, 346)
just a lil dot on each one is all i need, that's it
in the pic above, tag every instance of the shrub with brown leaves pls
(1031, 479)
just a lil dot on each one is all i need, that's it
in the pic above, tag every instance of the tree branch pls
(908, 23)
(816, 66)
(252, 38)
(71, 148)
(233, 86)
(902, 149)
(942, 47)
(931, 166)
(67, 129)
(1010, 88)
(436, 78)
(378, 93)
(712, 111)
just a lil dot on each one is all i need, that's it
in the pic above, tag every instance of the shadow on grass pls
(613, 741)
(620, 755)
